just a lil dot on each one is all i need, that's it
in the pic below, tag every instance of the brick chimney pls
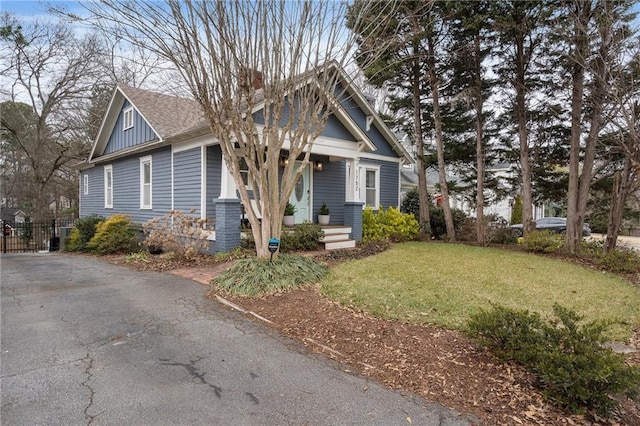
(250, 76)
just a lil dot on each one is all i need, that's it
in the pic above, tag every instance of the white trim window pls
(244, 172)
(370, 190)
(85, 184)
(108, 187)
(145, 182)
(127, 118)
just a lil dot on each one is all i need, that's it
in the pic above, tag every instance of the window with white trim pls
(85, 184)
(244, 172)
(127, 118)
(108, 187)
(145, 182)
(370, 191)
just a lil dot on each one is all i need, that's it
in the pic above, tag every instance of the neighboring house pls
(155, 153)
(12, 215)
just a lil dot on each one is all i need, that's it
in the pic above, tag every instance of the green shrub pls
(543, 242)
(82, 233)
(516, 211)
(251, 277)
(574, 369)
(71, 242)
(621, 260)
(114, 235)
(438, 225)
(303, 237)
(501, 236)
(411, 203)
(389, 224)
(183, 234)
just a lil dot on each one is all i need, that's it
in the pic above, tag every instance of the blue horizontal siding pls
(389, 181)
(186, 180)
(329, 187)
(126, 187)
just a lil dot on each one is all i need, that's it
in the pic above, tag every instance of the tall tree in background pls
(597, 32)
(237, 56)
(521, 28)
(471, 33)
(49, 71)
(436, 37)
(400, 69)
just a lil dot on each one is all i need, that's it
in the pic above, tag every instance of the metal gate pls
(28, 236)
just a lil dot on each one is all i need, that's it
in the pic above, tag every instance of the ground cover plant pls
(253, 276)
(443, 284)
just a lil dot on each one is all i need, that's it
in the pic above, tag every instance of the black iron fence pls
(33, 236)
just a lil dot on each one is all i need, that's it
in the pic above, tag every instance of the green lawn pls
(438, 283)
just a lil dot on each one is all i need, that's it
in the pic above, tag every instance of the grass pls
(443, 284)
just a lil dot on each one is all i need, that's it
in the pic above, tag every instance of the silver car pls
(555, 224)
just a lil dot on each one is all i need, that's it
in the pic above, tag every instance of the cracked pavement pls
(85, 342)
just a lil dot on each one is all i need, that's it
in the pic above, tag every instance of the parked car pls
(555, 224)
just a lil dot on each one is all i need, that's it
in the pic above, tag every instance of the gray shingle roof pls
(168, 115)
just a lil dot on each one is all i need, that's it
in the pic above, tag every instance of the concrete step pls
(331, 230)
(334, 237)
(335, 245)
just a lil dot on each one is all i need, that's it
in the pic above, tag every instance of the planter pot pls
(289, 220)
(323, 219)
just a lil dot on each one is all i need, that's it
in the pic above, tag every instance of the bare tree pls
(47, 73)
(237, 57)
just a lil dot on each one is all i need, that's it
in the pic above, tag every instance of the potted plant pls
(289, 218)
(323, 214)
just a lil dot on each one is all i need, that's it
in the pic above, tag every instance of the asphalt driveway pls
(86, 342)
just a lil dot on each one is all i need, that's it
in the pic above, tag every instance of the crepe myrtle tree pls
(237, 57)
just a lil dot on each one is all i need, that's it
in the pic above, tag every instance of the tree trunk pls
(424, 218)
(574, 227)
(619, 194)
(437, 120)
(521, 117)
(480, 223)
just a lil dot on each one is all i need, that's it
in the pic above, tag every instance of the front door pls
(301, 195)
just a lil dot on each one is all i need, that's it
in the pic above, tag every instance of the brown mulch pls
(440, 365)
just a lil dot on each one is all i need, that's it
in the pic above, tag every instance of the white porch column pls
(353, 180)
(227, 184)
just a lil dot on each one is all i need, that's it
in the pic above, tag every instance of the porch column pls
(352, 205)
(228, 213)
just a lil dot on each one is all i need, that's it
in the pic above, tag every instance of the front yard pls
(443, 284)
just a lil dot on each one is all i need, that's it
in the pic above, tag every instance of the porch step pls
(336, 237)
(341, 244)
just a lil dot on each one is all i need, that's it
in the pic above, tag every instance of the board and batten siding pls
(126, 187)
(140, 133)
(329, 186)
(187, 180)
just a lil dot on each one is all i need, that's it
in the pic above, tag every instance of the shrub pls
(438, 225)
(543, 242)
(82, 233)
(305, 236)
(182, 234)
(516, 211)
(389, 224)
(573, 368)
(71, 242)
(620, 261)
(501, 236)
(114, 235)
(251, 277)
(411, 203)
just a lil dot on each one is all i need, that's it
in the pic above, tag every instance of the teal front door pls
(301, 195)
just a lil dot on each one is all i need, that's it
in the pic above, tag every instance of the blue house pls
(154, 153)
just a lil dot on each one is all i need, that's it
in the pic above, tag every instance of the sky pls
(33, 9)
